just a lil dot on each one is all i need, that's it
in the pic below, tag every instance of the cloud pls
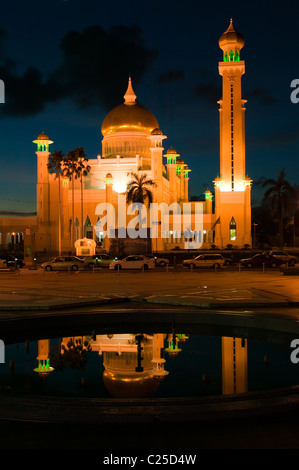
(28, 95)
(170, 76)
(272, 140)
(263, 96)
(208, 92)
(95, 66)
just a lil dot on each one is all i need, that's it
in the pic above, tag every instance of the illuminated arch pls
(232, 229)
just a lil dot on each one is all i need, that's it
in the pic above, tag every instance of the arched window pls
(237, 54)
(77, 228)
(231, 55)
(225, 57)
(88, 229)
(232, 229)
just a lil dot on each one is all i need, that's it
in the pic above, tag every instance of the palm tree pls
(71, 170)
(83, 170)
(279, 195)
(56, 165)
(139, 190)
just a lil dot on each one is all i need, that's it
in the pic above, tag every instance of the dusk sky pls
(65, 64)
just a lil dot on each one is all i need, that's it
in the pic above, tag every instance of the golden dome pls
(231, 37)
(129, 116)
(130, 386)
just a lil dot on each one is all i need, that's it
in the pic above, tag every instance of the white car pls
(64, 263)
(133, 262)
(207, 260)
(158, 261)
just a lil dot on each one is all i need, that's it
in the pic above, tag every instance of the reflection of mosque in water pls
(134, 363)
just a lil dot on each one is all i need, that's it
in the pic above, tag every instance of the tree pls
(83, 169)
(72, 171)
(138, 189)
(56, 166)
(279, 196)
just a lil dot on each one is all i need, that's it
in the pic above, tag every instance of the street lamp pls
(254, 225)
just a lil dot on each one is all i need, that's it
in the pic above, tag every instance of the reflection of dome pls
(129, 116)
(126, 386)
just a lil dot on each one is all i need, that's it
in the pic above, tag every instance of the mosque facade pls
(72, 209)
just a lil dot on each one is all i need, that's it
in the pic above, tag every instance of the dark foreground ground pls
(263, 432)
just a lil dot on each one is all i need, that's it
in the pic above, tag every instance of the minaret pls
(156, 149)
(172, 156)
(109, 202)
(43, 193)
(233, 187)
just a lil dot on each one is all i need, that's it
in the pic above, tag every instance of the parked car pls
(291, 260)
(12, 260)
(3, 264)
(206, 260)
(158, 261)
(64, 263)
(260, 260)
(100, 261)
(133, 262)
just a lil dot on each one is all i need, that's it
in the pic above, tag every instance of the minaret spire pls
(130, 97)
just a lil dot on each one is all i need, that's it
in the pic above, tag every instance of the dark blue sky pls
(67, 91)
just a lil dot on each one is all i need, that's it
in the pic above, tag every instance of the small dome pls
(42, 136)
(108, 175)
(231, 37)
(156, 131)
(172, 151)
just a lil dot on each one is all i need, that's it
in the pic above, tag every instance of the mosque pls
(68, 209)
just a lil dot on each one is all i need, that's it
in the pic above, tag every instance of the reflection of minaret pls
(234, 366)
(43, 369)
(158, 361)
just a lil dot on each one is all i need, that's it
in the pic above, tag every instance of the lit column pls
(43, 193)
(156, 149)
(109, 202)
(172, 156)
